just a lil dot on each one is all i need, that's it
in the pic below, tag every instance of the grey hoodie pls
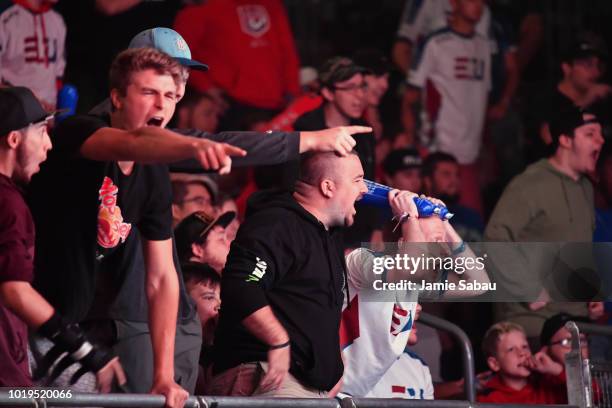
(541, 205)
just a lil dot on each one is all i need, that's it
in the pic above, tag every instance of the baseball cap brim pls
(193, 64)
(222, 220)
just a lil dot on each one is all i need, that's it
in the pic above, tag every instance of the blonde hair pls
(492, 336)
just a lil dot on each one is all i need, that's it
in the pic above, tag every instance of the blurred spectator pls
(582, 66)
(551, 201)
(453, 66)
(556, 343)
(226, 204)
(201, 238)
(520, 377)
(309, 99)
(603, 196)
(32, 37)
(504, 131)
(441, 180)
(250, 45)
(191, 193)
(420, 19)
(403, 170)
(197, 110)
(377, 81)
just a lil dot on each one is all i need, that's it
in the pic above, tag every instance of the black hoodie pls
(285, 258)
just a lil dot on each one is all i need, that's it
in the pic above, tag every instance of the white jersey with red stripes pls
(32, 50)
(373, 332)
(453, 72)
(407, 378)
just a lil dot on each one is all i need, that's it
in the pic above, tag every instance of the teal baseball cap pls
(168, 41)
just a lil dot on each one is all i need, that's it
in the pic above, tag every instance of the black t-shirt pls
(86, 214)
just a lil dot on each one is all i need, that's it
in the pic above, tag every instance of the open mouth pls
(155, 121)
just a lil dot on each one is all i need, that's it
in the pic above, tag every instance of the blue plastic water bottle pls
(378, 196)
(67, 98)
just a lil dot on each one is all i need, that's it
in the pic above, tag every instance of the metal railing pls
(156, 401)
(589, 383)
(467, 353)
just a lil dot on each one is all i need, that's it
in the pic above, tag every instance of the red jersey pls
(248, 46)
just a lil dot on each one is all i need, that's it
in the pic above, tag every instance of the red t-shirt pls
(16, 264)
(539, 390)
(248, 46)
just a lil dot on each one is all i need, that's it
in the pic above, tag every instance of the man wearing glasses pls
(343, 87)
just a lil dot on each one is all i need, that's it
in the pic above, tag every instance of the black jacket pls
(285, 258)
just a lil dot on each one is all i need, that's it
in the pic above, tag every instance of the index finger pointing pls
(233, 150)
(358, 129)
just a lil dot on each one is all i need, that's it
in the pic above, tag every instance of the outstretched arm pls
(152, 144)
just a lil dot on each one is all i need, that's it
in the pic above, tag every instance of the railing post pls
(577, 372)
(467, 353)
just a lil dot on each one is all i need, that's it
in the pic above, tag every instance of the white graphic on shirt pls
(254, 19)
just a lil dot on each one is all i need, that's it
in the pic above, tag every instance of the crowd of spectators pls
(225, 256)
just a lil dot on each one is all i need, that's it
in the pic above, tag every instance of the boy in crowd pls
(520, 377)
(204, 286)
(201, 237)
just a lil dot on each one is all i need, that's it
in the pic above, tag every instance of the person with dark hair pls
(403, 169)
(441, 179)
(285, 267)
(110, 193)
(581, 86)
(24, 143)
(197, 110)
(377, 81)
(129, 309)
(201, 238)
(204, 286)
(191, 193)
(551, 201)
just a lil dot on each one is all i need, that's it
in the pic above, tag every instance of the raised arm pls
(267, 148)
(152, 144)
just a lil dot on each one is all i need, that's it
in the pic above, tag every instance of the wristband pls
(280, 346)
(459, 249)
(400, 219)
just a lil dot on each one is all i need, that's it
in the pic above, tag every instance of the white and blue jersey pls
(407, 378)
